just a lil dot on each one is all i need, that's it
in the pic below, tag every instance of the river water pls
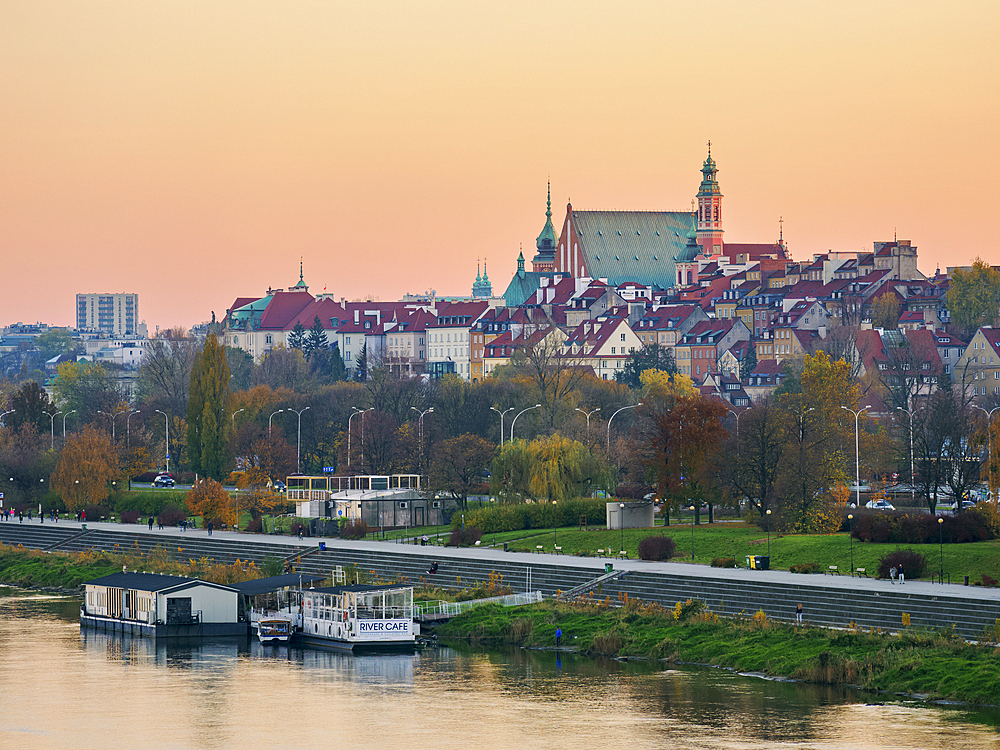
(63, 688)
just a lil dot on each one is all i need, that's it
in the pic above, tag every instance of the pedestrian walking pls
(558, 637)
(210, 528)
(892, 574)
(20, 517)
(150, 523)
(901, 574)
(798, 614)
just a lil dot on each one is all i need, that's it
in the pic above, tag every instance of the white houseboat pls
(359, 617)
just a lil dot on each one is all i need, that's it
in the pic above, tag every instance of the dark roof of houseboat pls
(274, 583)
(357, 587)
(149, 582)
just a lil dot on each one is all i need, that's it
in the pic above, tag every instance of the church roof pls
(632, 245)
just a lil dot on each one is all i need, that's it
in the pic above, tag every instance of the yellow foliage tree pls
(209, 499)
(86, 468)
(826, 516)
(661, 385)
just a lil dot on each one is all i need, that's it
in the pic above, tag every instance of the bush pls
(357, 529)
(897, 527)
(985, 580)
(97, 512)
(723, 562)
(657, 548)
(255, 526)
(466, 537)
(130, 516)
(807, 568)
(497, 518)
(171, 515)
(914, 564)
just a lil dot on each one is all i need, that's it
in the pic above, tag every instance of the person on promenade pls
(798, 614)
(558, 637)
(901, 574)
(892, 574)
(159, 522)
(210, 528)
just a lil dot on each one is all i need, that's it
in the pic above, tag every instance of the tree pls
(208, 414)
(885, 311)
(550, 374)
(284, 368)
(749, 362)
(31, 406)
(209, 499)
(650, 357)
(54, 342)
(974, 296)
(459, 465)
(87, 466)
(87, 388)
(752, 467)
(550, 468)
(316, 341)
(297, 338)
(165, 372)
(240, 368)
(361, 364)
(25, 462)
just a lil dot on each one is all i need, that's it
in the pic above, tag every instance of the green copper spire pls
(547, 239)
(709, 184)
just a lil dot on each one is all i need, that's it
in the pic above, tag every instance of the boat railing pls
(384, 613)
(451, 609)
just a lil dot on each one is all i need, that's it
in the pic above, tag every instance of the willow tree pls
(207, 412)
(551, 468)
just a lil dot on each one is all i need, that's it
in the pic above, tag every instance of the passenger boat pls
(359, 617)
(274, 630)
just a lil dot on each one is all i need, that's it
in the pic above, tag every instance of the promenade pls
(833, 600)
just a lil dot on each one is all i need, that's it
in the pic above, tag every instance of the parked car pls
(279, 486)
(880, 505)
(965, 504)
(164, 480)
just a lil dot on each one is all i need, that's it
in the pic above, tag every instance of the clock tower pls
(709, 218)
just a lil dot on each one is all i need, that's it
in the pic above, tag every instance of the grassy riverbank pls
(935, 665)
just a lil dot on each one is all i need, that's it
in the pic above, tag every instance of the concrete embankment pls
(827, 600)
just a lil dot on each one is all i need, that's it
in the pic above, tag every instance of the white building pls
(116, 314)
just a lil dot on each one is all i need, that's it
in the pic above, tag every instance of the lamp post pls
(514, 421)
(269, 420)
(621, 523)
(52, 430)
(113, 416)
(234, 417)
(989, 440)
(420, 423)
(909, 414)
(298, 444)
(555, 533)
(588, 413)
(857, 455)
(737, 415)
(941, 546)
(166, 421)
(501, 413)
(612, 417)
(64, 422)
(4, 415)
(850, 536)
(768, 514)
(128, 428)
(692, 531)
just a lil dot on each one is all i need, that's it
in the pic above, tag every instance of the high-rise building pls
(114, 314)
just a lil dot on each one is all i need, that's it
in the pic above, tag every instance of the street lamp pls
(737, 415)
(501, 413)
(989, 440)
(692, 532)
(113, 415)
(234, 417)
(857, 455)
(420, 423)
(128, 428)
(64, 422)
(912, 487)
(612, 417)
(555, 533)
(768, 514)
(621, 523)
(514, 421)
(941, 545)
(166, 421)
(4, 415)
(298, 445)
(353, 415)
(52, 429)
(850, 536)
(269, 420)
(588, 413)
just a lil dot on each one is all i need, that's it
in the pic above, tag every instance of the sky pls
(194, 152)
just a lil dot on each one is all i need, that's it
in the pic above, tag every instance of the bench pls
(833, 570)
(861, 572)
(540, 548)
(602, 553)
(623, 555)
(557, 550)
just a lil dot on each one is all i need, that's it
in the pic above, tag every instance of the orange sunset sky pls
(192, 151)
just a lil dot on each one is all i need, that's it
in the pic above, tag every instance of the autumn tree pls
(208, 414)
(751, 468)
(549, 373)
(165, 372)
(458, 466)
(25, 463)
(210, 500)
(974, 296)
(885, 311)
(650, 357)
(551, 468)
(284, 368)
(86, 468)
(30, 405)
(87, 388)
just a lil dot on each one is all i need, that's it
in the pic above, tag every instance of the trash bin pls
(750, 562)
(322, 546)
(505, 546)
(85, 528)
(761, 562)
(966, 578)
(609, 567)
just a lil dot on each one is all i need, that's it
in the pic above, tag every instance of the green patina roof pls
(635, 246)
(254, 309)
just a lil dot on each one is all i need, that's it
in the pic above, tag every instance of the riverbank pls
(929, 665)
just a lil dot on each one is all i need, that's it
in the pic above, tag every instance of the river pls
(62, 688)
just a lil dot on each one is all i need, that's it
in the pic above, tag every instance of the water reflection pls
(63, 688)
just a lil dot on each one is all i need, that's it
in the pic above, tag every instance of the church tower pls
(482, 288)
(709, 219)
(545, 258)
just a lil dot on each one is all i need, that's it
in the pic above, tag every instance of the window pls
(347, 342)
(623, 337)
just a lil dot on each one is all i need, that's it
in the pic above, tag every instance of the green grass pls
(914, 662)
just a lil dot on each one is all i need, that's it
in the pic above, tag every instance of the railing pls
(451, 609)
